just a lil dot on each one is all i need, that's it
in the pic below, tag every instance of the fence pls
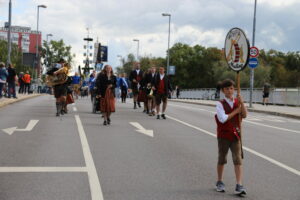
(279, 96)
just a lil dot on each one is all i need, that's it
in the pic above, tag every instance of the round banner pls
(237, 49)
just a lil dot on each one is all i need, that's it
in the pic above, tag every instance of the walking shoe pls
(108, 121)
(163, 116)
(158, 117)
(240, 190)
(139, 104)
(104, 123)
(220, 186)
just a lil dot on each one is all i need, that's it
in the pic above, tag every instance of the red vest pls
(161, 87)
(228, 130)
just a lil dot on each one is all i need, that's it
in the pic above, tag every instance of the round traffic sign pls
(236, 49)
(254, 52)
(253, 62)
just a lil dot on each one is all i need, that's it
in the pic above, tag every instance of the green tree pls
(54, 51)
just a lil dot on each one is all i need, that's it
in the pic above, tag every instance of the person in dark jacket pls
(11, 81)
(135, 78)
(106, 84)
(162, 88)
(150, 82)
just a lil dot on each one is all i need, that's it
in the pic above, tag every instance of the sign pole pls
(252, 70)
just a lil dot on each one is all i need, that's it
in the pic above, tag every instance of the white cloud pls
(117, 22)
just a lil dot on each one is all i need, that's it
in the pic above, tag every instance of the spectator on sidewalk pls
(11, 81)
(3, 77)
(266, 92)
(27, 80)
(40, 85)
(218, 90)
(177, 91)
(21, 83)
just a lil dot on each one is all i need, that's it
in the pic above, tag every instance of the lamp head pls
(42, 6)
(165, 14)
(136, 40)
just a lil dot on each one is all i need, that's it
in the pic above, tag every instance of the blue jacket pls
(123, 82)
(3, 74)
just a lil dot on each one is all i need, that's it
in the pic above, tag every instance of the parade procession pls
(146, 100)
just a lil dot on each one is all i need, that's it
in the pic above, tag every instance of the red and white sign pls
(254, 52)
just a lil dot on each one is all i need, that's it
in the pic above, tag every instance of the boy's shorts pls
(235, 147)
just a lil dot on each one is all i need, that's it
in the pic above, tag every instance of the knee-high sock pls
(58, 107)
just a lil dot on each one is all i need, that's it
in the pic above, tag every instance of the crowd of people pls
(150, 88)
(10, 79)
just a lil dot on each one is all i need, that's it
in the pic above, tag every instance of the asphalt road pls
(75, 157)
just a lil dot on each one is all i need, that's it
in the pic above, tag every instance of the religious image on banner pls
(236, 49)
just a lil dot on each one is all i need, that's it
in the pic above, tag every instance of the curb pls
(249, 109)
(3, 104)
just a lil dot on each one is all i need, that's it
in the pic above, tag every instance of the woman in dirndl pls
(106, 84)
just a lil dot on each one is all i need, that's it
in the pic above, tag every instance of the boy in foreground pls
(228, 134)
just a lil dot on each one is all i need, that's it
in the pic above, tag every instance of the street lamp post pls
(168, 55)
(121, 60)
(37, 39)
(252, 69)
(9, 33)
(47, 60)
(138, 47)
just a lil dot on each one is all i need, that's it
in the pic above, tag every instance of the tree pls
(54, 51)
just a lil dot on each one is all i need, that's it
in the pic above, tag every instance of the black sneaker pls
(220, 186)
(139, 104)
(108, 121)
(158, 117)
(240, 190)
(104, 123)
(57, 114)
(163, 116)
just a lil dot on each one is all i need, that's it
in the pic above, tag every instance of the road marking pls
(141, 129)
(74, 109)
(96, 191)
(42, 169)
(245, 148)
(275, 127)
(248, 121)
(29, 127)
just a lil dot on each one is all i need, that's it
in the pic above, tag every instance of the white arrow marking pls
(142, 129)
(29, 127)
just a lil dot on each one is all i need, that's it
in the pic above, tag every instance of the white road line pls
(74, 109)
(269, 126)
(43, 169)
(96, 191)
(245, 148)
(275, 127)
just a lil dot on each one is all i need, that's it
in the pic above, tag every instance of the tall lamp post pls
(121, 60)
(168, 55)
(138, 47)
(47, 60)
(9, 33)
(37, 39)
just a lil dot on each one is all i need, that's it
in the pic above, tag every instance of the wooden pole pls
(239, 104)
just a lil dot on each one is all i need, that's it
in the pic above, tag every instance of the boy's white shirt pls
(222, 117)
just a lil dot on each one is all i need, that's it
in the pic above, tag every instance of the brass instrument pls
(60, 77)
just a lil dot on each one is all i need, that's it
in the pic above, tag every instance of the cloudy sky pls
(117, 22)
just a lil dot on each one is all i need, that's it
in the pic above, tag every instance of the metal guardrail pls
(279, 96)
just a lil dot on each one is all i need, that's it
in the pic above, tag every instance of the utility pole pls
(9, 34)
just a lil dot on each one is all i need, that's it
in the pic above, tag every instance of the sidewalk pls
(285, 111)
(6, 101)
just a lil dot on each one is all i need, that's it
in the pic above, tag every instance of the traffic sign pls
(254, 52)
(253, 62)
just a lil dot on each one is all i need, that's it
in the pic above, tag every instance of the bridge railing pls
(278, 96)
